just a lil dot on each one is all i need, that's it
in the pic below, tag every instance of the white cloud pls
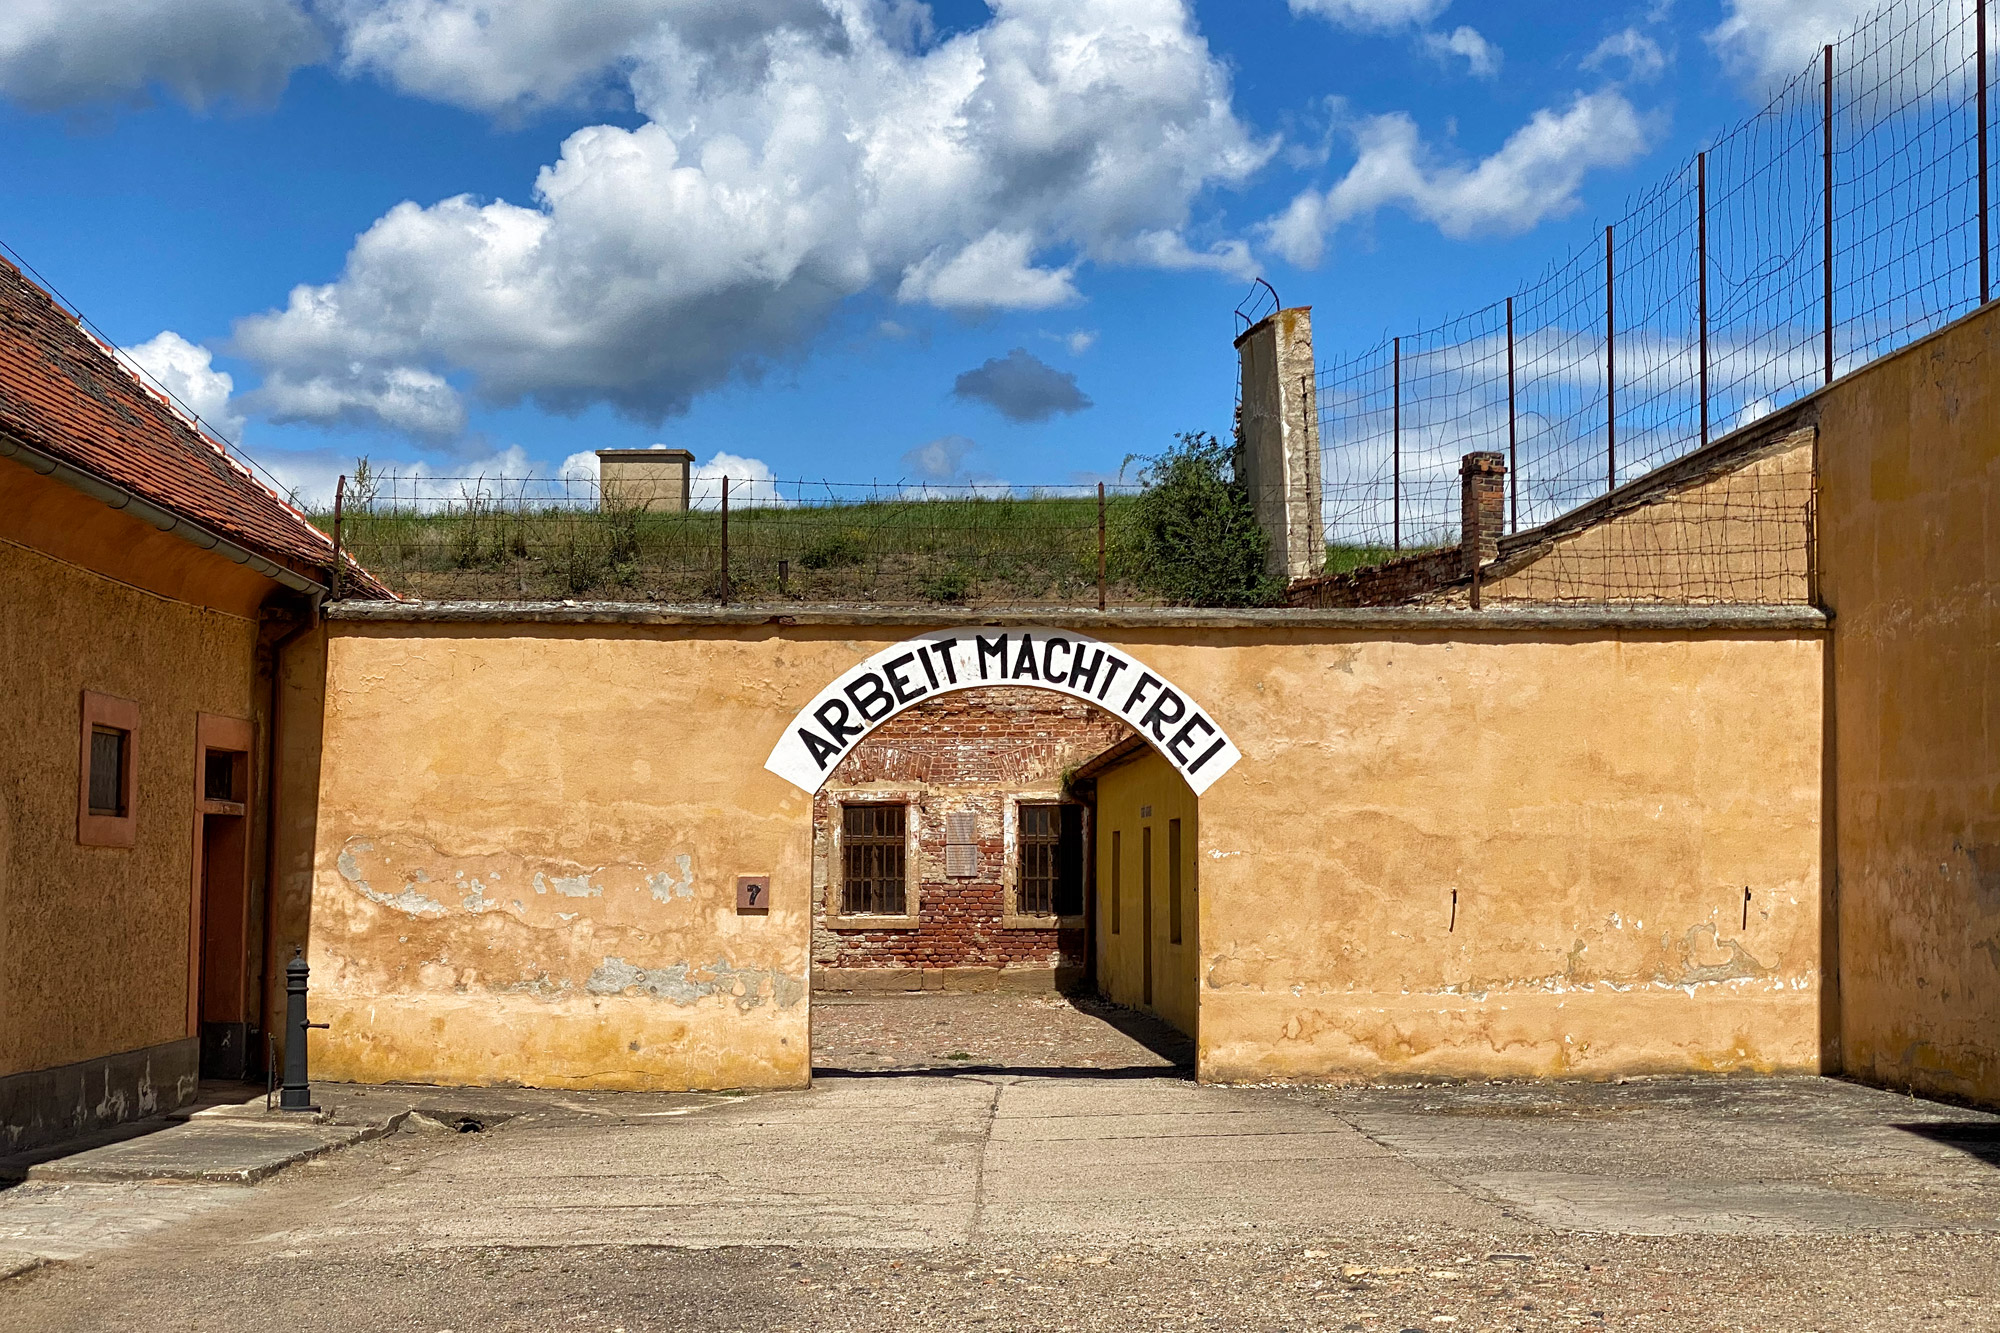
(1079, 341)
(785, 164)
(1642, 55)
(188, 372)
(1766, 42)
(751, 482)
(992, 273)
(1534, 175)
(1482, 58)
(1372, 13)
(56, 53)
(942, 459)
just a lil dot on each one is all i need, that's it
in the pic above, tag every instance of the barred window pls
(873, 849)
(1051, 864)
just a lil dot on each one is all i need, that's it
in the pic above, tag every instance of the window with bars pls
(874, 851)
(1051, 863)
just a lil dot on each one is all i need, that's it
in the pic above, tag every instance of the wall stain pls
(684, 984)
(409, 900)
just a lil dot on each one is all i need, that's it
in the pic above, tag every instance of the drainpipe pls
(278, 647)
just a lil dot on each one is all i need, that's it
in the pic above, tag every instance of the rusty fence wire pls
(747, 540)
(1846, 219)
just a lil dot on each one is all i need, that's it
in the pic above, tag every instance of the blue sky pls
(847, 239)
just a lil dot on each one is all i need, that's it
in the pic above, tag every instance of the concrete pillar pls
(1279, 426)
(655, 480)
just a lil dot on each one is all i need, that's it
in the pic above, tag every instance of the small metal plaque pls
(753, 893)
(961, 826)
(961, 860)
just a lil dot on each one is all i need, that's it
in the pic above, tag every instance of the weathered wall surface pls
(527, 847)
(1596, 802)
(1598, 799)
(1742, 534)
(96, 956)
(1142, 797)
(1910, 564)
(975, 752)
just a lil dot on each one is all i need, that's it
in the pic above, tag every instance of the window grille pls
(1051, 875)
(873, 849)
(107, 771)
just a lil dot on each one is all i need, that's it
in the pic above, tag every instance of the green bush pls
(1191, 536)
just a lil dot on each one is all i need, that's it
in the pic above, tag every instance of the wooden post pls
(1100, 546)
(725, 539)
(339, 502)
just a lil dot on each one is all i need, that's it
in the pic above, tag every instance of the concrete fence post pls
(1279, 445)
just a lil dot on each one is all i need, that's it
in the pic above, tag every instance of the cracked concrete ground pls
(937, 1198)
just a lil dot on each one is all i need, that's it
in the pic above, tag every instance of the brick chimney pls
(1483, 486)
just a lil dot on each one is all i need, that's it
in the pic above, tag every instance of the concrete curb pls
(204, 1151)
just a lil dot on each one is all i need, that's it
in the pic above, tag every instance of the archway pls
(955, 781)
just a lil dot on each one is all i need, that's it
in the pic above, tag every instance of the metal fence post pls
(725, 540)
(1100, 546)
(1985, 241)
(1513, 456)
(1701, 271)
(297, 1092)
(1610, 376)
(339, 501)
(1826, 208)
(1396, 446)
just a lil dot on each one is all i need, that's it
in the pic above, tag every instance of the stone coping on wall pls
(1666, 619)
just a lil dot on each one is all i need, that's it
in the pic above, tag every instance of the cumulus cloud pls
(1640, 54)
(942, 459)
(1372, 13)
(792, 155)
(751, 482)
(188, 372)
(1765, 42)
(57, 53)
(1481, 57)
(1021, 387)
(1534, 175)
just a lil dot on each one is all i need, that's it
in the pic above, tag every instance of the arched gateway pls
(843, 714)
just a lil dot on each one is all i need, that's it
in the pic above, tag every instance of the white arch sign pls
(842, 715)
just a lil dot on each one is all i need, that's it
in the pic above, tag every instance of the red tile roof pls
(64, 393)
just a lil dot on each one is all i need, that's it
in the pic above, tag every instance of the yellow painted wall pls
(95, 956)
(1598, 799)
(1910, 564)
(1135, 798)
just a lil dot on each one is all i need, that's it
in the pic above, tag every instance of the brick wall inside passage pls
(974, 751)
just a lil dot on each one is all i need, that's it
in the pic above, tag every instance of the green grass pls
(945, 551)
(1347, 559)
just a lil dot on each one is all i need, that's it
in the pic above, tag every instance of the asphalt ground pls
(1054, 1195)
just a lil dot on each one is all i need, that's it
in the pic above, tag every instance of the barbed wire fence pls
(1843, 221)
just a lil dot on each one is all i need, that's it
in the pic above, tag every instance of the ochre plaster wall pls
(1146, 794)
(1909, 564)
(1599, 800)
(97, 938)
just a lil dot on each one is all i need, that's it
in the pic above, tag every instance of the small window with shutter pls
(105, 782)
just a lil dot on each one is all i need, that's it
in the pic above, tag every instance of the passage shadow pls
(1976, 1138)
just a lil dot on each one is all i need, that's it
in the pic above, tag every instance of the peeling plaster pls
(681, 984)
(665, 886)
(409, 900)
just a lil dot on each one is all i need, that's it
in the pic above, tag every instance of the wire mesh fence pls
(1846, 219)
(555, 538)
